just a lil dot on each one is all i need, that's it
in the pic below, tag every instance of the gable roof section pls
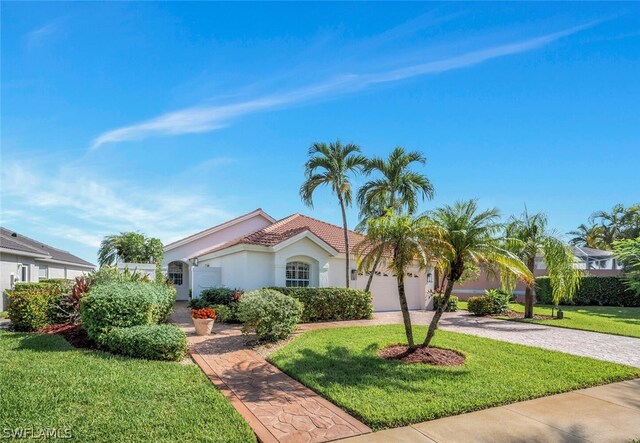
(21, 244)
(219, 227)
(291, 226)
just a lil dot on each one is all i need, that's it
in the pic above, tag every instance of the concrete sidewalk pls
(609, 413)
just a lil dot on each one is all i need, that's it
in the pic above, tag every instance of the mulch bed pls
(74, 334)
(430, 356)
(513, 314)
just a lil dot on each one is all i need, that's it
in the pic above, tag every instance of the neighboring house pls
(254, 251)
(23, 259)
(591, 261)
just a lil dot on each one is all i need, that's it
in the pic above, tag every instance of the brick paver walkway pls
(277, 407)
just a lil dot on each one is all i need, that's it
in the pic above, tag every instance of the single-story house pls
(23, 259)
(590, 261)
(256, 250)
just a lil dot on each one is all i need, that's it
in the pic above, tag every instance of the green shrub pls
(124, 304)
(329, 304)
(224, 314)
(29, 305)
(214, 298)
(480, 305)
(452, 305)
(593, 290)
(218, 296)
(271, 314)
(63, 284)
(499, 300)
(152, 342)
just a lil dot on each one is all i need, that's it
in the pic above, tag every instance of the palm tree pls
(618, 224)
(469, 239)
(533, 239)
(129, 247)
(332, 165)
(590, 237)
(403, 240)
(398, 189)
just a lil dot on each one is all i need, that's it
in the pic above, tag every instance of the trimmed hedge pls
(594, 290)
(30, 305)
(328, 304)
(271, 314)
(452, 305)
(124, 304)
(217, 296)
(152, 342)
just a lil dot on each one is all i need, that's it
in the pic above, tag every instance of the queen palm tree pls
(399, 188)
(331, 165)
(535, 239)
(468, 239)
(403, 240)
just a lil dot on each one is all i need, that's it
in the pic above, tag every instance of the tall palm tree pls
(535, 239)
(618, 224)
(469, 239)
(590, 237)
(332, 165)
(129, 247)
(399, 188)
(403, 240)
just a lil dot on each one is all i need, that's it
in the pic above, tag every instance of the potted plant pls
(203, 320)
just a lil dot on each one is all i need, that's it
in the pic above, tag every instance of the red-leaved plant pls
(203, 313)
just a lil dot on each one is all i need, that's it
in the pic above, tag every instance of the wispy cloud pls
(199, 119)
(90, 209)
(44, 33)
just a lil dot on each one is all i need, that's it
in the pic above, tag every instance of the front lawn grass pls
(45, 383)
(342, 365)
(3, 314)
(606, 319)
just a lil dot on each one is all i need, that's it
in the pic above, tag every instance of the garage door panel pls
(385, 292)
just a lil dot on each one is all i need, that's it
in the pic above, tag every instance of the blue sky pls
(168, 118)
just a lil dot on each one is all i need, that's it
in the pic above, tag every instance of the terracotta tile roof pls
(291, 226)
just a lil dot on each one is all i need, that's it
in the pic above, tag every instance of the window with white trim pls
(297, 274)
(43, 271)
(175, 273)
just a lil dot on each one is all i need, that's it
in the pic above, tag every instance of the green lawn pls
(3, 314)
(45, 383)
(607, 319)
(342, 365)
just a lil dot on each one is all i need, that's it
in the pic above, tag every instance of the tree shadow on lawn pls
(339, 365)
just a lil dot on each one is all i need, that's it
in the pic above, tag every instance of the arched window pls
(175, 273)
(297, 274)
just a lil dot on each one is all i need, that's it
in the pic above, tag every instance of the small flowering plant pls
(203, 313)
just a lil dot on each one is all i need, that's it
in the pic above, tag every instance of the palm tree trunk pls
(373, 271)
(406, 317)
(528, 292)
(441, 307)
(346, 239)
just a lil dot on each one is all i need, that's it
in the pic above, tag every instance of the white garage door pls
(385, 292)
